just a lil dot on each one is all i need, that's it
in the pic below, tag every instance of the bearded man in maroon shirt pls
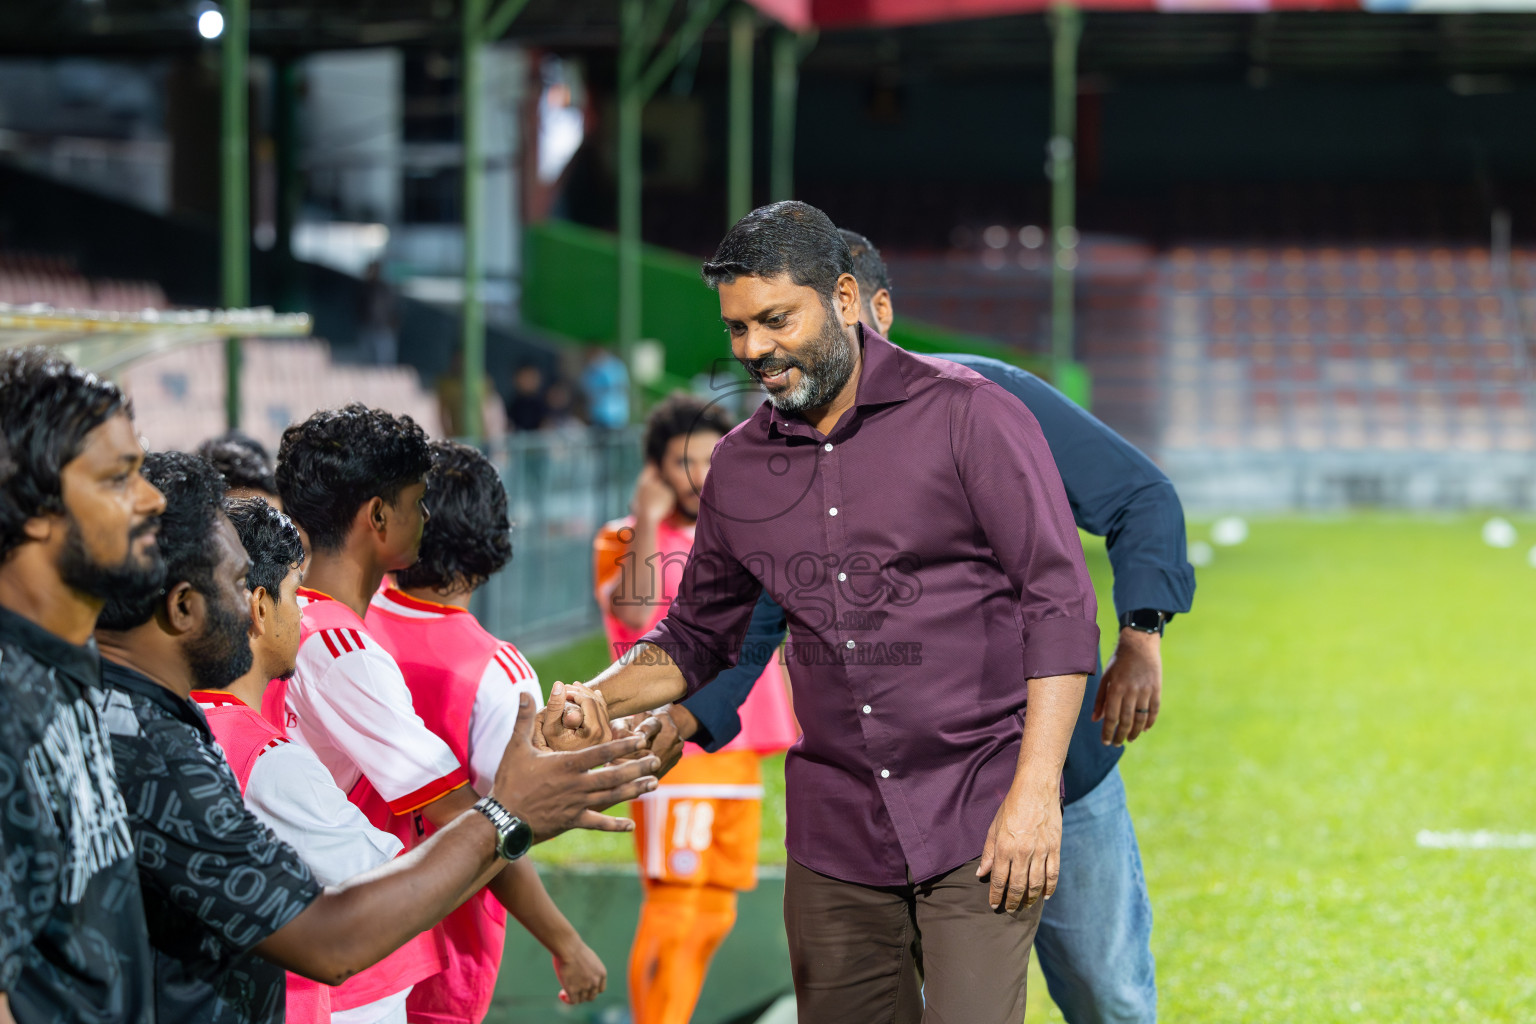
(908, 516)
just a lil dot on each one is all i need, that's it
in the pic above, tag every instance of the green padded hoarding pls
(570, 289)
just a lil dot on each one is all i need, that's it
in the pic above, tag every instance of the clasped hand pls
(576, 717)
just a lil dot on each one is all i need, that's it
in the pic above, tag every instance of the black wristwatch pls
(514, 836)
(1145, 620)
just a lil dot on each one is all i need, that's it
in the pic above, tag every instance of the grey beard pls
(824, 370)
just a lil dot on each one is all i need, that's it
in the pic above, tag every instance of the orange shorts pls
(701, 825)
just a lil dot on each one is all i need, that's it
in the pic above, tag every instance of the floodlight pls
(210, 24)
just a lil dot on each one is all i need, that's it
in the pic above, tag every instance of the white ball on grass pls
(1229, 531)
(1499, 532)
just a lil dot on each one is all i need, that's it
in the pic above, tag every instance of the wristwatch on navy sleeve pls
(1145, 620)
(514, 836)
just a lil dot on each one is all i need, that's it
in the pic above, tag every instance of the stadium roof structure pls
(1122, 35)
(805, 14)
(107, 343)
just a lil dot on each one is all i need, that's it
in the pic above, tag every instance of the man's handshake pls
(576, 718)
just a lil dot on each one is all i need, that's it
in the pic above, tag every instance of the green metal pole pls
(473, 346)
(631, 105)
(235, 203)
(1066, 30)
(786, 92)
(739, 164)
(285, 105)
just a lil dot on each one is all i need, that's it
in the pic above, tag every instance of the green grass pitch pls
(1341, 685)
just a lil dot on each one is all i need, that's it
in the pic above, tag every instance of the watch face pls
(517, 840)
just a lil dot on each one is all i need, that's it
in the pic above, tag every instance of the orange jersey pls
(701, 825)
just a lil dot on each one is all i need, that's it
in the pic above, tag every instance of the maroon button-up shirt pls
(927, 561)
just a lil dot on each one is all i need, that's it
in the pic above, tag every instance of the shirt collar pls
(120, 676)
(880, 383)
(80, 662)
(400, 597)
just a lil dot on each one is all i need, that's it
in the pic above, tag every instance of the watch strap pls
(1145, 620)
(507, 825)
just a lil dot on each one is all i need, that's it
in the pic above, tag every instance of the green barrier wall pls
(570, 289)
(748, 973)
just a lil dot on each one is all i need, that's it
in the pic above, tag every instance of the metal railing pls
(562, 485)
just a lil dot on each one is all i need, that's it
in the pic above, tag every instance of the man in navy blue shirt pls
(1094, 937)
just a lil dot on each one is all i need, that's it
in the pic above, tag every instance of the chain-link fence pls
(562, 485)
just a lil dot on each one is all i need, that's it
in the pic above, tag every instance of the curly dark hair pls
(270, 538)
(678, 414)
(868, 266)
(333, 463)
(791, 238)
(242, 459)
(47, 407)
(468, 537)
(194, 499)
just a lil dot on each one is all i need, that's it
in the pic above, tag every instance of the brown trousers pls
(932, 952)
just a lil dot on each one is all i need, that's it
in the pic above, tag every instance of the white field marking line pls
(1482, 839)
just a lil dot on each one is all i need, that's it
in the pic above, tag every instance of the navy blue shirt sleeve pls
(718, 703)
(1115, 491)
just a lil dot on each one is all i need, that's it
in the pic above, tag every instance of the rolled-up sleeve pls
(703, 628)
(1016, 495)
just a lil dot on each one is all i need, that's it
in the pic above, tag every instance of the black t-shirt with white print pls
(216, 880)
(73, 942)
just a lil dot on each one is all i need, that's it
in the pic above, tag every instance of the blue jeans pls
(1095, 935)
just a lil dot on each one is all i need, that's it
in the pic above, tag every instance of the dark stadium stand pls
(180, 393)
(26, 278)
(1316, 349)
(1268, 348)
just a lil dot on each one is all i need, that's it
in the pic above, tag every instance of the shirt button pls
(866, 709)
(885, 773)
(827, 447)
(831, 511)
(850, 645)
(842, 576)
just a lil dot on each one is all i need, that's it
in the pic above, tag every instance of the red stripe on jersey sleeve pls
(520, 661)
(430, 792)
(506, 668)
(330, 644)
(341, 638)
(357, 638)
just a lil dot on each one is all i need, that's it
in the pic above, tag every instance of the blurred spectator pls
(450, 403)
(606, 383)
(528, 405)
(246, 465)
(377, 320)
(561, 405)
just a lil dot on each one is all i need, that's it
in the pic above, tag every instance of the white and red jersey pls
(291, 792)
(348, 702)
(465, 684)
